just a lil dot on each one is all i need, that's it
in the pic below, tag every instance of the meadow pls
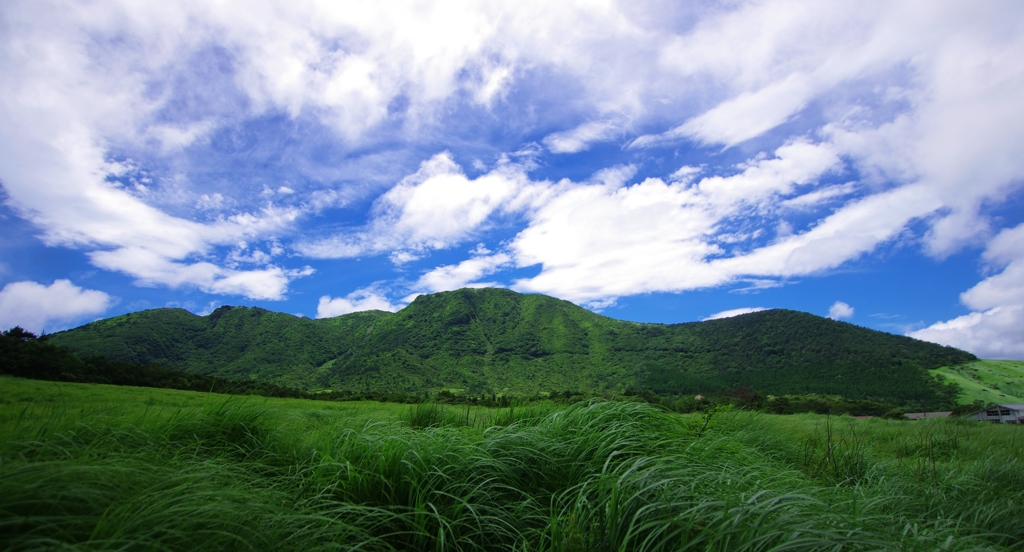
(988, 381)
(90, 467)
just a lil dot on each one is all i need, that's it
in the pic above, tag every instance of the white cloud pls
(657, 236)
(769, 60)
(819, 196)
(494, 83)
(1005, 288)
(350, 62)
(954, 137)
(479, 250)
(210, 202)
(614, 177)
(177, 137)
(685, 174)
(36, 307)
(853, 230)
(754, 285)
(580, 138)
(365, 299)
(403, 257)
(932, 151)
(750, 114)
(210, 307)
(70, 93)
(464, 274)
(1006, 247)
(795, 163)
(436, 207)
(921, 98)
(57, 118)
(734, 312)
(151, 269)
(995, 328)
(995, 333)
(439, 205)
(639, 238)
(840, 310)
(738, 119)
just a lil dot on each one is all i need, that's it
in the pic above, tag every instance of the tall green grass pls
(245, 474)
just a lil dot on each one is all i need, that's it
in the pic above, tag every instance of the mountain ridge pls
(498, 341)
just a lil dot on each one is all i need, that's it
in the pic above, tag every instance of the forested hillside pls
(23, 354)
(499, 341)
(232, 342)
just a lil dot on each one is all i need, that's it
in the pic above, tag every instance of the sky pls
(652, 161)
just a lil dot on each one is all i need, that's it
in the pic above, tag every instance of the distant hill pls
(495, 340)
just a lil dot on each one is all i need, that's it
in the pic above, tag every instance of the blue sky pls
(656, 162)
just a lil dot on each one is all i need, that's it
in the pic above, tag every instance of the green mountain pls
(495, 340)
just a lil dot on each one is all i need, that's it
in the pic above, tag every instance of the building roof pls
(920, 415)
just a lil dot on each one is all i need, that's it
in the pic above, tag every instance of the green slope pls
(232, 342)
(494, 340)
(989, 381)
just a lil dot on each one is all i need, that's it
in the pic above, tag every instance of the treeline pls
(26, 355)
(743, 398)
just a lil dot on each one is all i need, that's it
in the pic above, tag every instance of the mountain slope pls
(232, 342)
(989, 381)
(495, 340)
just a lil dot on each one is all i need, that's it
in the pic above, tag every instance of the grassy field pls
(94, 467)
(990, 381)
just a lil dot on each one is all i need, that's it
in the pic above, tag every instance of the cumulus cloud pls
(365, 299)
(840, 310)
(436, 207)
(658, 236)
(464, 274)
(995, 333)
(995, 328)
(734, 312)
(1006, 287)
(36, 307)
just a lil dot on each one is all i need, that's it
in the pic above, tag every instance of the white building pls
(1001, 413)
